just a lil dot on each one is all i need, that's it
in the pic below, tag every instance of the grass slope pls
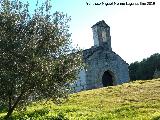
(138, 100)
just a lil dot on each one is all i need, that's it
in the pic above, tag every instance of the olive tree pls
(37, 60)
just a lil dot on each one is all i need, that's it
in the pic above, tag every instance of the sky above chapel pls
(135, 29)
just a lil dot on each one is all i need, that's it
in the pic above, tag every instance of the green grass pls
(139, 100)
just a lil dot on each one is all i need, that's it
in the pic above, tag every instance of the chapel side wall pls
(80, 83)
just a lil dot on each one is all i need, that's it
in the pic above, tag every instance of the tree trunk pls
(11, 108)
(9, 113)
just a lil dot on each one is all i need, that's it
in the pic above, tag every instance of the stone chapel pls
(103, 66)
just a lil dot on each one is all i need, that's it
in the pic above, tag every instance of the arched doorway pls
(107, 79)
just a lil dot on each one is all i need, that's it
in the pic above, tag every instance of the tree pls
(133, 68)
(36, 57)
(145, 69)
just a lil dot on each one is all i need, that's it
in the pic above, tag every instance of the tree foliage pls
(36, 57)
(145, 69)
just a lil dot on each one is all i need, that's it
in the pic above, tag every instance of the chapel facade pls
(103, 66)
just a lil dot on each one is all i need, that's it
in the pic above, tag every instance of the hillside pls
(138, 100)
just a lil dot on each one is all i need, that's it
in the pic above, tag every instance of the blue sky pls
(135, 30)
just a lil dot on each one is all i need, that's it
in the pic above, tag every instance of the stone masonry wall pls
(98, 61)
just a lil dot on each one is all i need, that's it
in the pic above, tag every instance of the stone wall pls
(99, 62)
(80, 83)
